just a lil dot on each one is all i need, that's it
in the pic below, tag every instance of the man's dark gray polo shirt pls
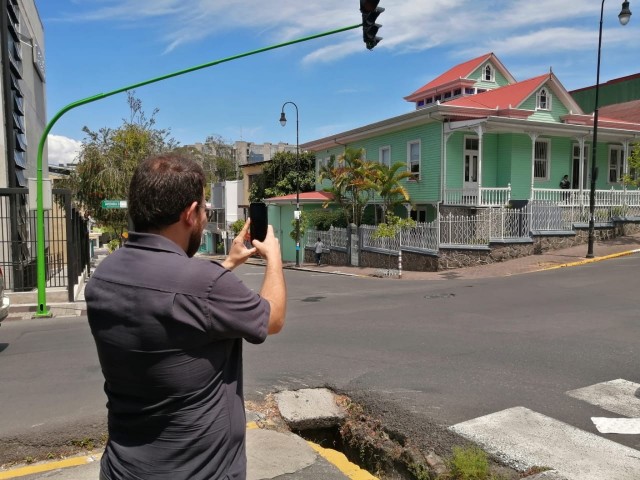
(169, 330)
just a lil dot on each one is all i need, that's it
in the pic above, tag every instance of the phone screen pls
(259, 221)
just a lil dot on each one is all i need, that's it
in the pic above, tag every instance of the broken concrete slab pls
(310, 408)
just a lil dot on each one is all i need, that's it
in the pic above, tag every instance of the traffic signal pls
(370, 12)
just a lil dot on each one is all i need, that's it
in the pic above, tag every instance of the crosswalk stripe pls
(523, 439)
(617, 396)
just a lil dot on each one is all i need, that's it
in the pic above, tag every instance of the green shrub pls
(113, 245)
(469, 463)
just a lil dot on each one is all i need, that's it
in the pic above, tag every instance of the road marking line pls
(340, 461)
(523, 439)
(45, 467)
(591, 260)
(617, 396)
(625, 426)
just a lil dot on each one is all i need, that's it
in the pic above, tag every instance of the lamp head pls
(283, 119)
(625, 13)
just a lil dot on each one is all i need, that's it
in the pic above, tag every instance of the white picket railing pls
(578, 198)
(481, 197)
(488, 225)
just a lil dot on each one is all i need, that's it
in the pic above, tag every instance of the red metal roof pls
(627, 111)
(504, 97)
(459, 71)
(305, 197)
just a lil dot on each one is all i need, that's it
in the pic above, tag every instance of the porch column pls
(534, 137)
(625, 166)
(443, 192)
(581, 143)
(479, 132)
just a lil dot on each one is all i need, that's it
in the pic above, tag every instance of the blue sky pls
(95, 46)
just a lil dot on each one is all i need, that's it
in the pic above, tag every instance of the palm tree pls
(391, 191)
(352, 182)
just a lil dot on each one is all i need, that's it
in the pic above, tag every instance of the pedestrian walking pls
(318, 246)
(169, 330)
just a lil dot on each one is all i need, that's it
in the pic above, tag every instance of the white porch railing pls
(577, 198)
(478, 197)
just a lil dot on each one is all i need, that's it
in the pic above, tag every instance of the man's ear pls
(190, 214)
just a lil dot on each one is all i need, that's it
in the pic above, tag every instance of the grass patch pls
(470, 463)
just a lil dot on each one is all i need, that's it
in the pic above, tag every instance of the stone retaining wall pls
(452, 258)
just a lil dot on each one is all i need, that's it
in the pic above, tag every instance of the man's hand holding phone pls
(269, 249)
(239, 253)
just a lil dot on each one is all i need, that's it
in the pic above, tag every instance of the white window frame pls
(473, 168)
(619, 167)
(492, 73)
(415, 175)
(384, 148)
(321, 162)
(547, 96)
(547, 160)
(417, 211)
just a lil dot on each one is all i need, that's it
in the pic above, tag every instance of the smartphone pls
(259, 221)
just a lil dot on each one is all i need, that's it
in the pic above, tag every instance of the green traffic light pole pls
(42, 310)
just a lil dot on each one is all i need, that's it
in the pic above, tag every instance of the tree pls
(219, 159)
(107, 160)
(278, 177)
(391, 191)
(633, 178)
(389, 229)
(353, 182)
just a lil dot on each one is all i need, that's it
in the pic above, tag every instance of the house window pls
(469, 91)
(575, 177)
(488, 74)
(471, 150)
(543, 100)
(541, 160)
(437, 98)
(420, 103)
(616, 163)
(429, 100)
(323, 163)
(419, 213)
(447, 95)
(413, 158)
(385, 156)
(457, 92)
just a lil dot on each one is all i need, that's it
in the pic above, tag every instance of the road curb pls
(591, 260)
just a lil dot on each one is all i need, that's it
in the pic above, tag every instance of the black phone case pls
(259, 221)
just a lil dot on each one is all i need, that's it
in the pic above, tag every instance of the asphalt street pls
(449, 350)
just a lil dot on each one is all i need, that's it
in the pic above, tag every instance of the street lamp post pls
(283, 122)
(624, 16)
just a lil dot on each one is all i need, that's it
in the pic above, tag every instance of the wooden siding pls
(520, 152)
(455, 163)
(558, 109)
(503, 150)
(561, 151)
(320, 155)
(490, 160)
(429, 135)
(477, 74)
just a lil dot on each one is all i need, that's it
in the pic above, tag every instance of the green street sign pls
(114, 204)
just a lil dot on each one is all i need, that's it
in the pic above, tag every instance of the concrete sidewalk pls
(270, 455)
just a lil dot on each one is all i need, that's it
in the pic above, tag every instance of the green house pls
(477, 138)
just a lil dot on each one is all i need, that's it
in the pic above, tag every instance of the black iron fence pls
(66, 242)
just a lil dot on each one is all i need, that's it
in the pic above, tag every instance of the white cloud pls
(62, 150)
(407, 26)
